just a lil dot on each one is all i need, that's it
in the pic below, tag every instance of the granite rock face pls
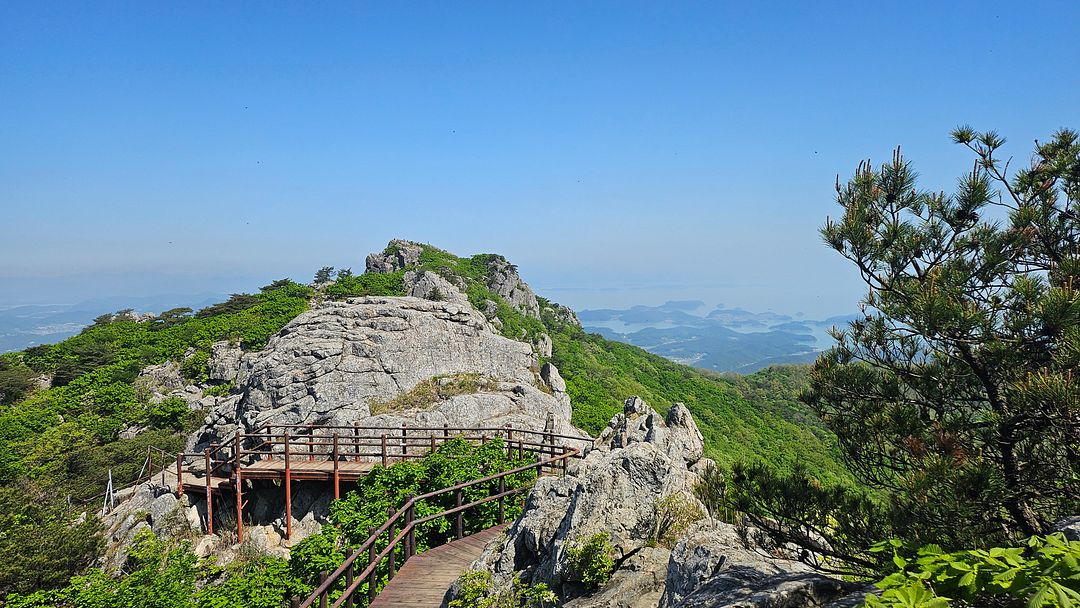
(431, 286)
(332, 363)
(224, 361)
(504, 280)
(711, 568)
(614, 490)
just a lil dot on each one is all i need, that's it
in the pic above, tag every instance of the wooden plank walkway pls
(424, 580)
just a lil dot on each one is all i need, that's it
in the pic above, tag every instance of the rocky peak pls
(398, 255)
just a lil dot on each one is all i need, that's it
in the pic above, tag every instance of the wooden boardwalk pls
(424, 580)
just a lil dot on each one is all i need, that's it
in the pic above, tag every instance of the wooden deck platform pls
(424, 580)
(307, 470)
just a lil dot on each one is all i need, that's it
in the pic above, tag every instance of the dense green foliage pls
(163, 574)
(40, 545)
(367, 284)
(1045, 572)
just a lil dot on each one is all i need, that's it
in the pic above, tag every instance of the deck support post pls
(239, 490)
(337, 474)
(180, 474)
(209, 495)
(288, 490)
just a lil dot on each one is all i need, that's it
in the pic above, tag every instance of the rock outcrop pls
(614, 491)
(642, 463)
(333, 363)
(711, 568)
(504, 280)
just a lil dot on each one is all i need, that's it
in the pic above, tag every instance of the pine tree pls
(957, 395)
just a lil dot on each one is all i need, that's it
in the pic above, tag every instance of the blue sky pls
(619, 153)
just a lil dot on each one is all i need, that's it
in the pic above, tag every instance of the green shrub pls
(196, 367)
(171, 413)
(590, 560)
(1044, 573)
(674, 515)
(476, 592)
(220, 390)
(367, 284)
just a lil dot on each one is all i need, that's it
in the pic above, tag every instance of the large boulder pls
(332, 363)
(711, 568)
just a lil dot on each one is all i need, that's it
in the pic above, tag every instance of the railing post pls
(509, 442)
(404, 442)
(288, 490)
(294, 602)
(239, 490)
(323, 599)
(433, 442)
(392, 553)
(161, 453)
(311, 443)
(180, 474)
(356, 440)
(445, 431)
(209, 495)
(350, 553)
(337, 473)
(565, 460)
(384, 455)
(502, 499)
(372, 576)
(410, 534)
(458, 523)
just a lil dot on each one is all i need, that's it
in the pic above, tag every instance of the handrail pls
(407, 532)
